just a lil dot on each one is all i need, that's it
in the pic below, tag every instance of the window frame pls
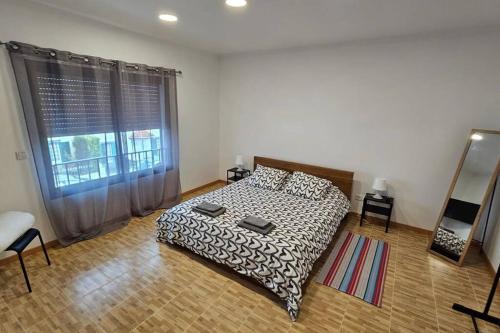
(122, 166)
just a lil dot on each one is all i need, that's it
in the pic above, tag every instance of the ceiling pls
(275, 24)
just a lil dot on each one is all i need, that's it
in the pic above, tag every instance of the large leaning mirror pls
(468, 194)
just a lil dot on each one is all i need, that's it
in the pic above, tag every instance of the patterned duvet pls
(280, 260)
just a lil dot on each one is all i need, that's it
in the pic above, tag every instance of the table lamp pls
(379, 186)
(239, 162)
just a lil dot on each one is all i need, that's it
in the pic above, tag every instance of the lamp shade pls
(380, 184)
(239, 160)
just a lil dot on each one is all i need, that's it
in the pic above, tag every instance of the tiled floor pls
(125, 281)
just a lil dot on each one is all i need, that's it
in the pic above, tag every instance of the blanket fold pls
(263, 231)
(209, 209)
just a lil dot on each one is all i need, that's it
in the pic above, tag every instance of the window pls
(145, 149)
(103, 134)
(93, 132)
(82, 158)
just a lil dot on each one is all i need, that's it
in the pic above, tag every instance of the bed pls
(281, 260)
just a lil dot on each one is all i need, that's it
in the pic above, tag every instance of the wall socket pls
(358, 197)
(20, 155)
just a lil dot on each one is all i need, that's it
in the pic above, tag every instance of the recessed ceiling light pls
(476, 137)
(168, 17)
(236, 3)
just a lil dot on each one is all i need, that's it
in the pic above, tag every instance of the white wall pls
(471, 187)
(400, 109)
(397, 108)
(197, 95)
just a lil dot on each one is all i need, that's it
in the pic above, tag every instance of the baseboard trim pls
(488, 262)
(492, 269)
(379, 221)
(371, 219)
(28, 252)
(53, 243)
(215, 182)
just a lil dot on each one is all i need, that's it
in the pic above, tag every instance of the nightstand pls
(383, 207)
(237, 175)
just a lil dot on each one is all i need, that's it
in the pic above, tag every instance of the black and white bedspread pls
(450, 241)
(280, 260)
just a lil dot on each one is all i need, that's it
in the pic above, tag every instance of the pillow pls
(307, 186)
(267, 178)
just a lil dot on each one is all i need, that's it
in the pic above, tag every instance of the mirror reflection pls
(469, 191)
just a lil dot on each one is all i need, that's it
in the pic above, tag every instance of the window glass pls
(80, 158)
(143, 149)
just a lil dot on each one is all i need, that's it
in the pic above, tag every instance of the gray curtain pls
(104, 137)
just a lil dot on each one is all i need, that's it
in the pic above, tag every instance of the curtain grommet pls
(81, 98)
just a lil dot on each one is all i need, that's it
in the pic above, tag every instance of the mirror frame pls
(487, 194)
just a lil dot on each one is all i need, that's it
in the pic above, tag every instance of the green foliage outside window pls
(86, 147)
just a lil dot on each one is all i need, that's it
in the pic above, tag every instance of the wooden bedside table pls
(385, 209)
(237, 175)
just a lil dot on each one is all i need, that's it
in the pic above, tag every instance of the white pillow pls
(267, 178)
(307, 186)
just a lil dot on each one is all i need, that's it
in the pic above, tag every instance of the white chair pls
(16, 233)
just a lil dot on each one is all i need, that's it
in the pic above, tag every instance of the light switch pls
(20, 155)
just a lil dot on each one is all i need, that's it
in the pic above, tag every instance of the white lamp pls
(379, 185)
(239, 162)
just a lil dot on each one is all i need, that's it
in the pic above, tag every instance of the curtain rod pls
(177, 72)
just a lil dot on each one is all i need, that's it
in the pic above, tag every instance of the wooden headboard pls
(340, 178)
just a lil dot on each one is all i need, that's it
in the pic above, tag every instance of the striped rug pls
(357, 266)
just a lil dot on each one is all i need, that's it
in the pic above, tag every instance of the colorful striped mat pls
(357, 266)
